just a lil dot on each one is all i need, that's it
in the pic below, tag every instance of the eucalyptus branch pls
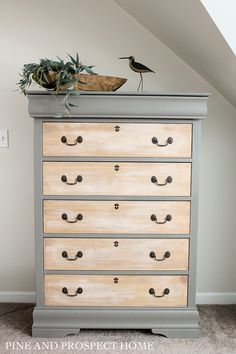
(54, 75)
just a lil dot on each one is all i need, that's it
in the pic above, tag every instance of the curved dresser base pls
(59, 322)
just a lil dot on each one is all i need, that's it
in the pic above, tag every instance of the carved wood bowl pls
(92, 82)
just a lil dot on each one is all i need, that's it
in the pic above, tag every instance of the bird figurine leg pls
(139, 85)
(141, 82)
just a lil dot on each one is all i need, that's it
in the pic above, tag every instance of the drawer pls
(117, 139)
(111, 178)
(164, 217)
(115, 254)
(115, 290)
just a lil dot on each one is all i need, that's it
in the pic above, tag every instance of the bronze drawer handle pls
(169, 179)
(78, 179)
(79, 217)
(78, 140)
(167, 218)
(78, 291)
(168, 141)
(166, 291)
(153, 255)
(78, 255)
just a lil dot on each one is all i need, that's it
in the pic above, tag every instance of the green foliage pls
(53, 74)
(64, 73)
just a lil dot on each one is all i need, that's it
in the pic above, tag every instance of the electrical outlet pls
(4, 138)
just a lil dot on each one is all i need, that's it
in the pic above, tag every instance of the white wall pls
(101, 32)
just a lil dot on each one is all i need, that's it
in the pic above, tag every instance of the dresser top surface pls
(123, 93)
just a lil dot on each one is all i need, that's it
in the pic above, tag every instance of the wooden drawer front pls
(115, 254)
(115, 290)
(116, 217)
(111, 178)
(116, 139)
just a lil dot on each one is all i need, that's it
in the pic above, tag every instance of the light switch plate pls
(4, 143)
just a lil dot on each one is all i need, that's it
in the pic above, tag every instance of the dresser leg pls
(177, 333)
(53, 332)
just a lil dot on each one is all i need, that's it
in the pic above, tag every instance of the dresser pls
(116, 211)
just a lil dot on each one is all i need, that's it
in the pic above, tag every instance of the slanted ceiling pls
(188, 30)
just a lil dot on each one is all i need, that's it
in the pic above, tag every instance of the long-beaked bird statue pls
(138, 68)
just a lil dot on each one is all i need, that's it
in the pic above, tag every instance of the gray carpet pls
(217, 324)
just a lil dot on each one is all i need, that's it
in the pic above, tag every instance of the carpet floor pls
(217, 326)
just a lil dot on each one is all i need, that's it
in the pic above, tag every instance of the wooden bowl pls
(91, 82)
(99, 82)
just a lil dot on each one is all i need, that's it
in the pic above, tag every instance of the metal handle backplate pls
(79, 254)
(78, 291)
(78, 179)
(167, 142)
(153, 255)
(79, 217)
(78, 140)
(167, 218)
(169, 179)
(166, 291)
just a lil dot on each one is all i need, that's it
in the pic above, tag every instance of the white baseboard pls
(17, 296)
(216, 298)
(202, 298)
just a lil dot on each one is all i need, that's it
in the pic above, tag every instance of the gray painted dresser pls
(116, 211)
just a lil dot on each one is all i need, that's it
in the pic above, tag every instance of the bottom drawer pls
(116, 290)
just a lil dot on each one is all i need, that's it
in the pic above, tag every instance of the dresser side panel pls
(38, 191)
(194, 213)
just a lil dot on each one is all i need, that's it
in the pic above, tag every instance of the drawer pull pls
(78, 179)
(166, 291)
(168, 141)
(167, 218)
(153, 255)
(79, 217)
(78, 140)
(78, 291)
(169, 179)
(78, 255)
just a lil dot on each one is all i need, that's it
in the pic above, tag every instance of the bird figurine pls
(138, 68)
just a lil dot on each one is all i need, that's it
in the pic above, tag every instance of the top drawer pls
(117, 139)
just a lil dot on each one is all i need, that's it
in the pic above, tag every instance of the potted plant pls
(57, 75)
